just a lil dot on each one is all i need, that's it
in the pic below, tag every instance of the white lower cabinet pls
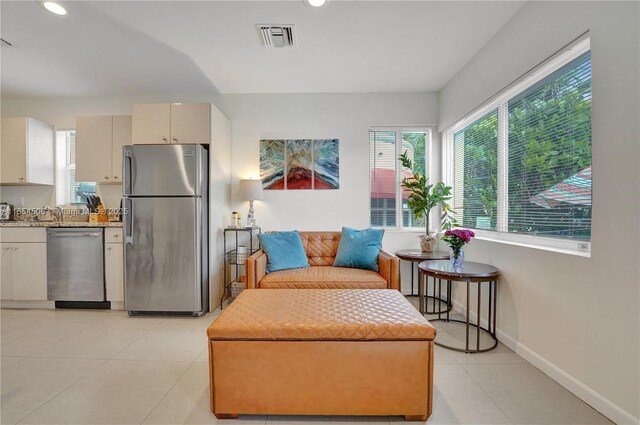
(6, 278)
(114, 267)
(24, 271)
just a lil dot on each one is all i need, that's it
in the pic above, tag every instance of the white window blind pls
(520, 165)
(549, 155)
(384, 186)
(388, 200)
(475, 170)
(68, 191)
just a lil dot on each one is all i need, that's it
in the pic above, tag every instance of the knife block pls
(102, 214)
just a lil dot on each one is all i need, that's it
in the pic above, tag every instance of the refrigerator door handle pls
(127, 164)
(128, 229)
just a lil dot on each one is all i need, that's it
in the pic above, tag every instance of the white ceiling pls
(182, 48)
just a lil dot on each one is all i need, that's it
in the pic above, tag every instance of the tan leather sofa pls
(321, 249)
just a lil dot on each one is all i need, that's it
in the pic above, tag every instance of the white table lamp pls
(251, 190)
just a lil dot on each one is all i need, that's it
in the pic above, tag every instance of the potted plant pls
(423, 197)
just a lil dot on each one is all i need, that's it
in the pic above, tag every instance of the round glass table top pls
(468, 271)
(418, 255)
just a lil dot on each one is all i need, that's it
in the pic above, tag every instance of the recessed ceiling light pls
(317, 3)
(54, 7)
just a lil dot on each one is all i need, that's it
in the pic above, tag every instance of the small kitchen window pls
(68, 191)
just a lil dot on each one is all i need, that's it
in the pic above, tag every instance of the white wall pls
(343, 116)
(578, 319)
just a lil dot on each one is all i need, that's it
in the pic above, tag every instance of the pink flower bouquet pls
(457, 238)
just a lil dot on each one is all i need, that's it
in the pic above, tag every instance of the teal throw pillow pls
(284, 250)
(359, 248)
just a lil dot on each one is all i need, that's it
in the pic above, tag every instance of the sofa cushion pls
(284, 250)
(359, 248)
(320, 247)
(324, 277)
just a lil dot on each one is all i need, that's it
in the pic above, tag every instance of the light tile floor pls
(103, 367)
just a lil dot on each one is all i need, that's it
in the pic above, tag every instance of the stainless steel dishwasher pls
(75, 267)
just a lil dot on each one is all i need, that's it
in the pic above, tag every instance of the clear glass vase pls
(456, 261)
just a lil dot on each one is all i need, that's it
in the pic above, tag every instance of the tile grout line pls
(102, 361)
(134, 341)
(488, 395)
(168, 391)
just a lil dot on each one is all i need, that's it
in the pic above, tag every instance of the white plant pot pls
(428, 242)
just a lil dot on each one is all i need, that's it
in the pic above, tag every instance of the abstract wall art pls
(297, 164)
(272, 164)
(326, 164)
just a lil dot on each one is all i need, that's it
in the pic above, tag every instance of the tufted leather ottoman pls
(329, 352)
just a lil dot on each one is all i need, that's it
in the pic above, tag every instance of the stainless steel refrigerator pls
(165, 229)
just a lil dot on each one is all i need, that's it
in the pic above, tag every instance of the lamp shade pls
(251, 190)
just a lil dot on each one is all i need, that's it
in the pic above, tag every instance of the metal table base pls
(470, 325)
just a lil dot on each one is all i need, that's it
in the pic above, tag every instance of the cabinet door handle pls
(175, 140)
(115, 177)
(164, 139)
(13, 248)
(21, 179)
(108, 248)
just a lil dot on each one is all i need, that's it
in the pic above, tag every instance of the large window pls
(388, 199)
(521, 164)
(68, 191)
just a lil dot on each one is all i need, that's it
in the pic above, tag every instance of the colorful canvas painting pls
(299, 165)
(326, 164)
(272, 164)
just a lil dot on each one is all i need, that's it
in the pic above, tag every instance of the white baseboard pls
(594, 399)
(117, 305)
(28, 304)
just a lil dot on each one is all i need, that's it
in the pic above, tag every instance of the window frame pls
(500, 102)
(398, 130)
(64, 171)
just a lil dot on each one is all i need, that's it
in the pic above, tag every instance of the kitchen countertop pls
(115, 224)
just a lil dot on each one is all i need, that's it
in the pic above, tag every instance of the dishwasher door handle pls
(74, 234)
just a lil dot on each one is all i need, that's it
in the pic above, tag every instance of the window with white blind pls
(68, 191)
(520, 165)
(388, 200)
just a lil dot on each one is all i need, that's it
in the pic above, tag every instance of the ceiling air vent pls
(5, 43)
(276, 35)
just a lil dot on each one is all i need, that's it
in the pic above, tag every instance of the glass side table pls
(483, 275)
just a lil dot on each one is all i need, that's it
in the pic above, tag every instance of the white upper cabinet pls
(172, 123)
(93, 148)
(121, 137)
(26, 152)
(151, 123)
(99, 141)
(190, 123)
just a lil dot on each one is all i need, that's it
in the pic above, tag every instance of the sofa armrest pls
(389, 268)
(256, 266)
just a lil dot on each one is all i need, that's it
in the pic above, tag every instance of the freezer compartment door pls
(162, 255)
(75, 264)
(162, 170)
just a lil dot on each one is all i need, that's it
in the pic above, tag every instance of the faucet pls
(56, 212)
